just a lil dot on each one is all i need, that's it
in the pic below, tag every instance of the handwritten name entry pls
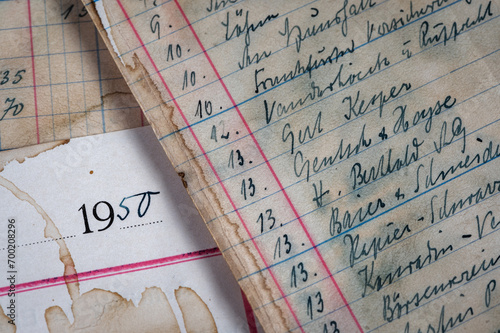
(343, 154)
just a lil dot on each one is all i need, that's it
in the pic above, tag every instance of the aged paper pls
(343, 154)
(91, 245)
(57, 80)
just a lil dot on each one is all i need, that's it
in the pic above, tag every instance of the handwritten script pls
(342, 153)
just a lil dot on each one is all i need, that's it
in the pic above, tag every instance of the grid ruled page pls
(343, 154)
(57, 78)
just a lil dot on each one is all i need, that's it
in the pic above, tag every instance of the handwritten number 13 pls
(319, 305)
(251, 188)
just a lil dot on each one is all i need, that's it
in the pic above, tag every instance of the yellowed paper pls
(57, 80)
(343, 154)
(144, 263)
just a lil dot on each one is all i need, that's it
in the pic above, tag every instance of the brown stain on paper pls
(5, 327)
(212, 205)
(210, 201)
(51, 231)
(197, 317)
(105, 311)
(21, 154)
(106, 97)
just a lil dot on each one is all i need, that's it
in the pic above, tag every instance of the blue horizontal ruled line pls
(299, 75)
(388, 248)
(321, 135)
(384, 212)
(352, 192)
(357, 117)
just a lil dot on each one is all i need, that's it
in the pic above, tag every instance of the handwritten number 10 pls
(110, 217)
(200, 110)
(188, 79)
(251, 188)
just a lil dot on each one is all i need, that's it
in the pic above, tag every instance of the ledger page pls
(343, 154)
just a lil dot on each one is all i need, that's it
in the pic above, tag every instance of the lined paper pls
(342, 154)
(57, 78)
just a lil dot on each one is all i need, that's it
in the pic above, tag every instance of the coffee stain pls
(106, 97)
(51, 231)
(197, 317)
(182, 175)
(5, 326)
(21, 154)
(105, 311)
(210, 203)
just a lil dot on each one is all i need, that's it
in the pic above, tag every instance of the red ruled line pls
(188, 125)
(34, 79)
(250, 132)
(112, 271)
(252, 326)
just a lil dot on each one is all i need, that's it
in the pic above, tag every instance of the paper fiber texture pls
(57, 80)
(343, 154)
(107, 240)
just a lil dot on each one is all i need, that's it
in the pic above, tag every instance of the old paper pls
(343, 154)
(57, 80)
(92, 245)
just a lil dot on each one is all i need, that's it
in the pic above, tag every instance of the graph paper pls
(58, 80)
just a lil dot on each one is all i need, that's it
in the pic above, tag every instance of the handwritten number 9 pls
(156, 25)
(110, 216)
(251, 188)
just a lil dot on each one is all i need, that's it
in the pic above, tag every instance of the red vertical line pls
(34, 79)
(100, 80)
(252, 326)
(250, 132)
(209, 162)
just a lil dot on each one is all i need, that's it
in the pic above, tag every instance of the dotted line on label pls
(141, 225)
(40, 242)
(66, 237)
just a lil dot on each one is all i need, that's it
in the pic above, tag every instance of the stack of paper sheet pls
(342, 155)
